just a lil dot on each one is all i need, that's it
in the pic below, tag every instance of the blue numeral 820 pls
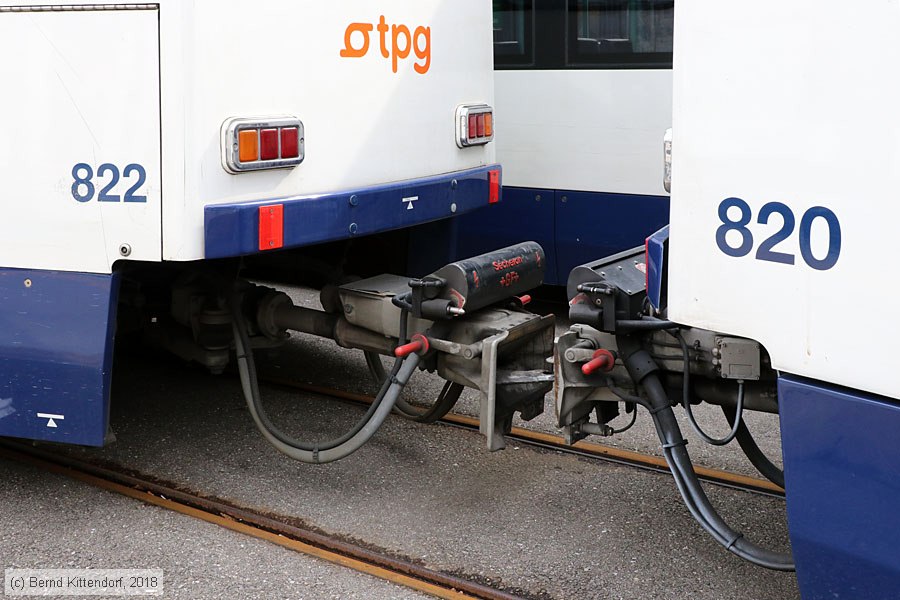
(766, 250)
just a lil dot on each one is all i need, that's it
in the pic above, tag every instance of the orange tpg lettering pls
(395, 42)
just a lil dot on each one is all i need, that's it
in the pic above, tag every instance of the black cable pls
(445, 402)
(628, 398)
(640, 367)
(755, 455)
(643, 325)
(630, 424)
(402, 301)
(376, 369)
(625, 395)
(686, 401)
(683, 470)
(664, 357)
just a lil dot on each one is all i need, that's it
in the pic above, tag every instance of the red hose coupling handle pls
(418, 344)
(603, 361)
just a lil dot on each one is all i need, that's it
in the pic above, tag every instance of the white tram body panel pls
(585, 130)
(758, 122)
(138, 94)
(81, 87)
(583, 90)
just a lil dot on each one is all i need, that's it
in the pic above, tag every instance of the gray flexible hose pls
(342, 450)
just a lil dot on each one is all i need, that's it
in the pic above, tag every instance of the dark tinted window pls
(583, 34)
(513, 32)
(626, 33)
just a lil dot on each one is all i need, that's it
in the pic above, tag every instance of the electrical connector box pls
(737, 358)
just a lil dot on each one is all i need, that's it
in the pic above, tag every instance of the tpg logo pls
(402, 42)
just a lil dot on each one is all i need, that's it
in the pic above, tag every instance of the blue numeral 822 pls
(83, 188)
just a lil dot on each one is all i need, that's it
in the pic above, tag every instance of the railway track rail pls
(283, 531)
(553, 442)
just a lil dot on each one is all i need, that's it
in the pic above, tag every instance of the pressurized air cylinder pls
(473, 283)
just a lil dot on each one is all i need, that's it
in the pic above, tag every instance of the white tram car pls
(148, 145)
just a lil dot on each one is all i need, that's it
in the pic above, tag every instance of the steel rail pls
(262, 526)
(554, 442)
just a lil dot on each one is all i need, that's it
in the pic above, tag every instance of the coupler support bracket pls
(479, 334)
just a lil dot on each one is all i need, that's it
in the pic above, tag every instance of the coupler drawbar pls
(465, 321)
(477, 332)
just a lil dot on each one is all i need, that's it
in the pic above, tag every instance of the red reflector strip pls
(271, 227)
(647, 263)
(268, 144)
(473, 127)
(494, 180)
(290, 142)
(481, 125)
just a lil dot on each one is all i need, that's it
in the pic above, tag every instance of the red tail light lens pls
(290, 142)
(268, 144)
(472, 132)
(474, 125)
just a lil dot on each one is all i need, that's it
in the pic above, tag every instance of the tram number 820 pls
(766, 250)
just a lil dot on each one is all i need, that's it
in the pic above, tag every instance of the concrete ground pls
(545, 524)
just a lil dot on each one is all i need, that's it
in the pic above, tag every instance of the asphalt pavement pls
(52, 522)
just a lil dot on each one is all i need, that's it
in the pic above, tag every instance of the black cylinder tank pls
(483, 280)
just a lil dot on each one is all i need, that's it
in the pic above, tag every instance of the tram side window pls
(620, 33)
(513, 29)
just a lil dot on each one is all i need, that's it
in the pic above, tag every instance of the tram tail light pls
(474, 125)
(265, 143)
